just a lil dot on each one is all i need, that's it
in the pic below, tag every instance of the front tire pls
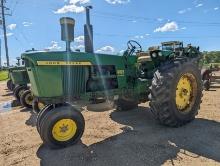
(206, 85)
(61, 126)
(19, 90)
(10, 85)
(26, 99)
(125, 104)
(176, 92)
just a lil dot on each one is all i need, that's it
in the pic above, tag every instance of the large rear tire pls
(61, 127)
(176, 92)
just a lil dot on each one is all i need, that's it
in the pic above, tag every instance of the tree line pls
(211, 57)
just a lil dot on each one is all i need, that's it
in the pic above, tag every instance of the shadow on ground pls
(8, 94)
(32, 119)
(144, 142)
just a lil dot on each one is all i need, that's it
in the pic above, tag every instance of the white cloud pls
(79, 1)
(27, 24)
(106, 49)
(168, 27)
(11, 26)
(9, 34)
(199, 5)
(159, 19)
(79, 39)
(216, 8)
(121, 52)
(114, 2)
(70, 8)
(74, 6)
(139, 37)
(184, 10)
(80, 46)
(54, 46)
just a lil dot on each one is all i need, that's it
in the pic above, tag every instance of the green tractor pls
(19, 80)
(19, 84)
(61, 80)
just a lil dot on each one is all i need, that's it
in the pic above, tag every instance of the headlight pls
(160, 54)
(154, 55)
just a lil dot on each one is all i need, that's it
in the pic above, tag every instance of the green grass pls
(3, 75)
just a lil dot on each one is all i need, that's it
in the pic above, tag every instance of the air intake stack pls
(88, 32)
(67, 31)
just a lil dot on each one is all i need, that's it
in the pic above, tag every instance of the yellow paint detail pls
(64, 130)
(120, 72)
(63, 63)
(40, 105)
(184, 92)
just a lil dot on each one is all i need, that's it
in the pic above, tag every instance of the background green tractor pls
(61, 80)
(208, 76)
(20, 80)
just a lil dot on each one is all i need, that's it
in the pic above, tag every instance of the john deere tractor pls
(19, 83)
(170, 81)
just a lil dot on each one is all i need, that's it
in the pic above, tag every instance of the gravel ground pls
(114, 138)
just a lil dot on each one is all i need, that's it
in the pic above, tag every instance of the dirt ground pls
(130, 138)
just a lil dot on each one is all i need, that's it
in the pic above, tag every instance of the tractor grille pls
(74, 80)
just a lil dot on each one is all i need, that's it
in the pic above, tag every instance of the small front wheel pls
(26, 99)
(19, 90)
(10, 85)
(206, 85)
(61, 126)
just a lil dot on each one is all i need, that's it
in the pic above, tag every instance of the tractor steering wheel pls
(133, 47)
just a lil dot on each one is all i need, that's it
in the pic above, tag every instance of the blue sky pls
(35, 23)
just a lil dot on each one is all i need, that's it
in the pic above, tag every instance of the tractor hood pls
(72, 58)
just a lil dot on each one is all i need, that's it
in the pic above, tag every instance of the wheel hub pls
(64, 130)
(184, 92)
(29, 99)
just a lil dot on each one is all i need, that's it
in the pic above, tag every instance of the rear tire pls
(26, 99)
(163, 96)
(61, 127)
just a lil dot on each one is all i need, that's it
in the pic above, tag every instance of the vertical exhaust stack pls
(88, 32)
(67, 31)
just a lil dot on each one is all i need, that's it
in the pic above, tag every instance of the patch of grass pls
(3, 75)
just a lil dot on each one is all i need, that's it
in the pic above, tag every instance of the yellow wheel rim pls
(185, 92)
(64, 130)
(40, 105)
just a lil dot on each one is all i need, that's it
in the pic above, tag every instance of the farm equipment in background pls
(20, 80)
(170, 81)
(19, 84)
(208, 76)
